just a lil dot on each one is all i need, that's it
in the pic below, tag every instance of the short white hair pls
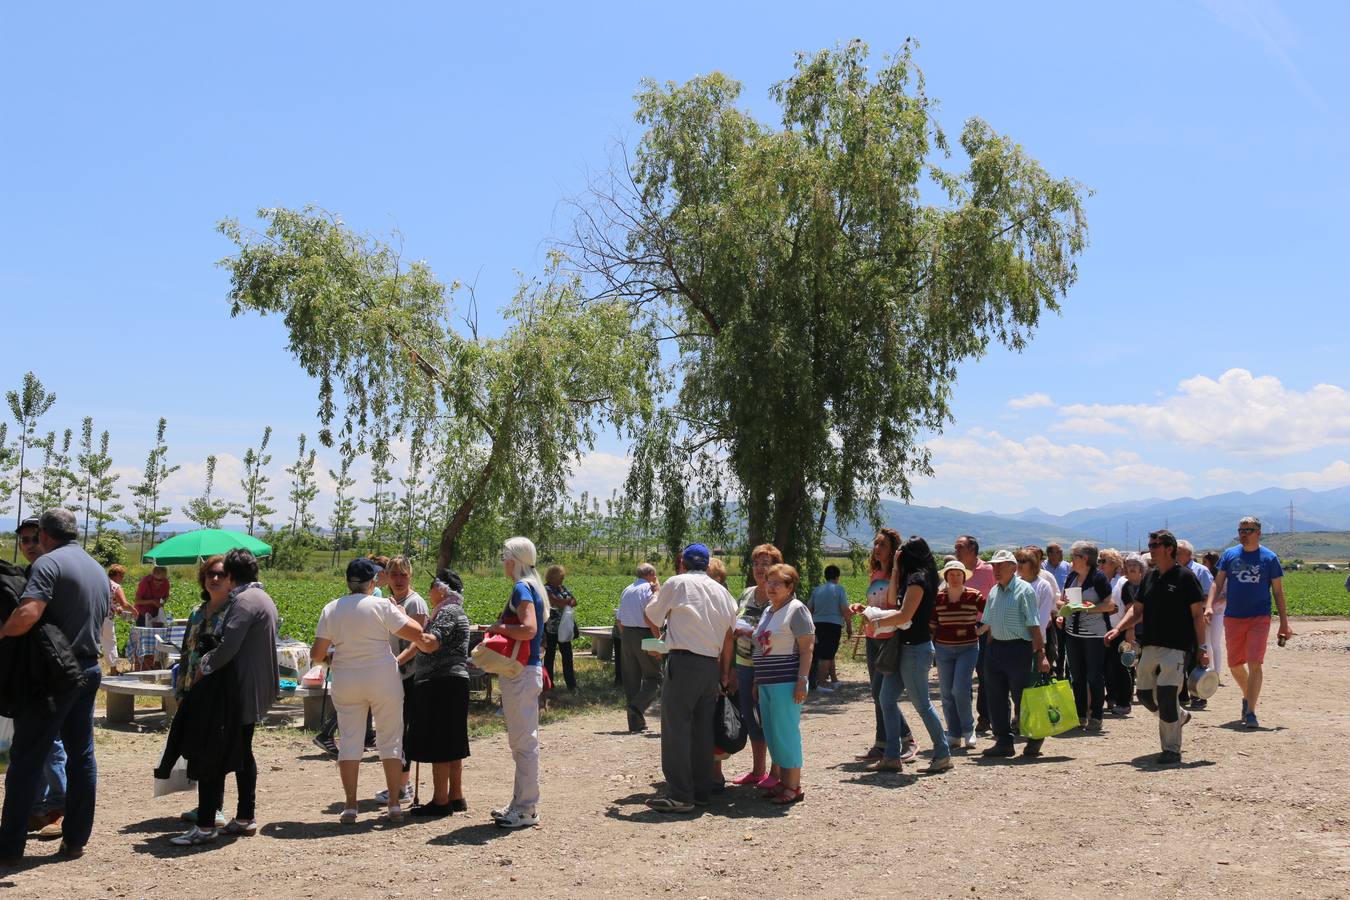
(1187, 546)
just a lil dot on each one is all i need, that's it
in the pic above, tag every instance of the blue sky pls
(1203, 348)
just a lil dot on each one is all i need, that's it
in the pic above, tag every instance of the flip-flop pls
(348, 816)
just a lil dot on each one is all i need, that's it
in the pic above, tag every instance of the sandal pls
(394, 813)
(348, 816)
(787, 796)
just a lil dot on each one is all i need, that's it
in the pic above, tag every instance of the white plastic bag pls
(177, 781)
(567, 626)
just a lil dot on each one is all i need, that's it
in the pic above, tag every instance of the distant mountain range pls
(1206, 521)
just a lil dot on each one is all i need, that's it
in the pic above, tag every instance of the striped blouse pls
(956, 620)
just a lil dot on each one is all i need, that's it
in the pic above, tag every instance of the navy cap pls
(697, 554)
(30, 522)
(362, 569)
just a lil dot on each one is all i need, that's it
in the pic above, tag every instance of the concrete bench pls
(121, 692)
(602, 641)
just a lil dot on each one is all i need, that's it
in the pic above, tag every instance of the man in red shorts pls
(1252, 574)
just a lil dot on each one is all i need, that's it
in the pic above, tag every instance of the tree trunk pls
(446, 552)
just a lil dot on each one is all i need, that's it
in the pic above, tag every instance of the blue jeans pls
(915, 661)
(956, 674)
(73, 722)
(52, 796)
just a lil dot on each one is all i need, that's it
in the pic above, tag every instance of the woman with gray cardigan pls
(248, 640)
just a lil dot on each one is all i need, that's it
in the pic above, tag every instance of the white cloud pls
(599, 474)
(1239, 414)
(982, 469)
(1334, 475)
(1031, 401)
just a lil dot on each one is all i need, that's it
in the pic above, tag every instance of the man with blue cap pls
(698, 614)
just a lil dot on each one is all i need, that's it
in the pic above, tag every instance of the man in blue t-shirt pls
(1252, 574)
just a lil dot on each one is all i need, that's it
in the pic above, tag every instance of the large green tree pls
(377, 333)
(821, 280)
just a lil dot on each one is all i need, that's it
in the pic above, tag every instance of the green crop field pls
(301, 597)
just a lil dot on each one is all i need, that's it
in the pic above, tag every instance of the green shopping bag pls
(1047, 708)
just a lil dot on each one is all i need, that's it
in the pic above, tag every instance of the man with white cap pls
(698, 614)
(1015, 641)
(1172, 607)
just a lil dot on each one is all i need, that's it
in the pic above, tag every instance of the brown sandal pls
(789, 795)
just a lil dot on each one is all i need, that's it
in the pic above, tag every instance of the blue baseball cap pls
(697, 554)
(362, 569)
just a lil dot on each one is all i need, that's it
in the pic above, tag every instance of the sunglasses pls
(215, 573)
(1248, 530)
(1155, 544)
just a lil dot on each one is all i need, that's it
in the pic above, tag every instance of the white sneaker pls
(909, 751)
(825, 689)
(404, 795)
(517, 819)
(193, 837)
(502, 812)
(968, 743)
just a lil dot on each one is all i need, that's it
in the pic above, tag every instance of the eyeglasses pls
(1248, 530)
(215, 573)
(774, 582)
(762, 565)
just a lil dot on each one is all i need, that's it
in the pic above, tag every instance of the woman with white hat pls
(956, 620)
(522, 620)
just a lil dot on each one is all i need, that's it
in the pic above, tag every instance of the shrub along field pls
(301, 597)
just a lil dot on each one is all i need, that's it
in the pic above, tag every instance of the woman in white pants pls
(356, 629)
(522, 620)
(1215, 634)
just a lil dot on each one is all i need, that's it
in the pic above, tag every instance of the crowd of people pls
(1119, 626)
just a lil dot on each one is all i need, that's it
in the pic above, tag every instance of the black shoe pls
(636, 720)
(326, 744)
(1003, 750)
(1169, 758)
(1032, 749)
(432, 810)
(1197, 703)
(982, 726)
(459, 805)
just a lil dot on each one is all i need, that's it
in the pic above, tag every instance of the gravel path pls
(1259, 814)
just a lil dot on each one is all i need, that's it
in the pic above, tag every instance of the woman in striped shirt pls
(784, 640)
(956, 617)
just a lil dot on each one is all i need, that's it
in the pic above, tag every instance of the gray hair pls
(646, 570)
(1187, 546)
(1250, 521)
(1134, 559)
(60, 524)
(1088, 549)
(360, 587)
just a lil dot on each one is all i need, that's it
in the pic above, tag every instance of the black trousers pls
(551, 647)
(211, 791)
(1087, 661)
(1119, 678)
(1007, 668)
(981, 696)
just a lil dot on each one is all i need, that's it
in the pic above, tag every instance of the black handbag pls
(888, 660)
(729, 731)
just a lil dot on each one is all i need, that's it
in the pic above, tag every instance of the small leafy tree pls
(204, 510)
(8, 458)
(108, 548)
(343, 516)
(303, 488)
(58, 481)
(255, 483)
(28, 404)
(147, 510)
(100, 491)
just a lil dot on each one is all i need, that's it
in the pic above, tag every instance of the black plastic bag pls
(729, 732)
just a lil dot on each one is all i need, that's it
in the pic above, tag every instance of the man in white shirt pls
(698, 614)
(641, 673)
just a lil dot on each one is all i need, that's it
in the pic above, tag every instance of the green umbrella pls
(188, 548)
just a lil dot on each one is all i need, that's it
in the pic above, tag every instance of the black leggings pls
(1087, 674)
(551, 646)
(211, 791)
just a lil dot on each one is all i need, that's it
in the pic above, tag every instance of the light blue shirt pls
(828, 603)
(1060, 571)
(1011, 611)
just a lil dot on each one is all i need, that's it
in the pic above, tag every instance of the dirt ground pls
(1254, 814)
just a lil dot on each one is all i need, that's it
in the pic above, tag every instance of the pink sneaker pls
(768, 783)
(909, 751)
(749, 778)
